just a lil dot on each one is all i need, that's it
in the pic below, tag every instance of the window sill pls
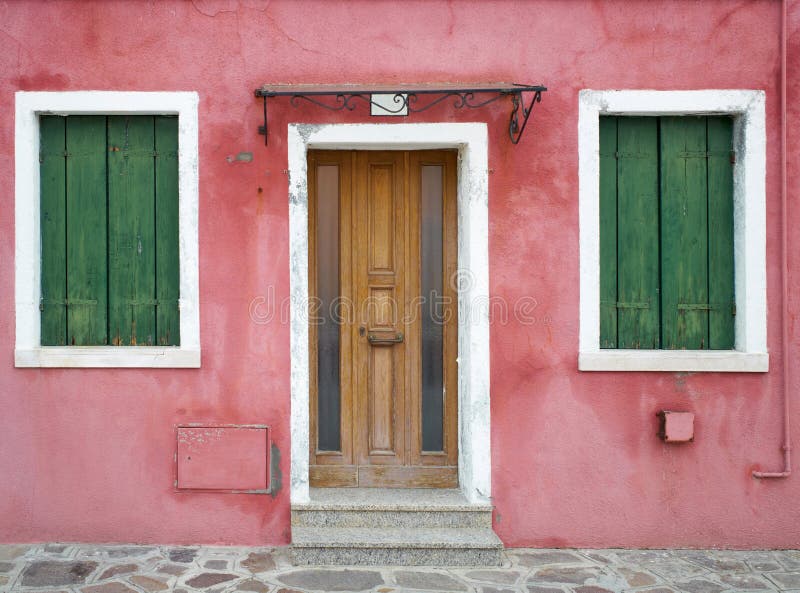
(107, 357)
(722, 361)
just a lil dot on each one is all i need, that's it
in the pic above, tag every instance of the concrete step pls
(396, 546)
(384, 507)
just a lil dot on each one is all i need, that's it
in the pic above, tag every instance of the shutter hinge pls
(694, 307)
(135, 302)
(620, 305)
(66, 302)
(705, 307)
(733, 157)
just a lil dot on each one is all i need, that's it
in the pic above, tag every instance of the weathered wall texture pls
(87, 454)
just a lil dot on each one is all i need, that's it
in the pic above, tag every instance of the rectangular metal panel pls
(230, 458)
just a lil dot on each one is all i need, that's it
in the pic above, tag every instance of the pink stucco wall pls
(86, 455)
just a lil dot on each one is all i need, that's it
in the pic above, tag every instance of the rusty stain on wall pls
(276, 477)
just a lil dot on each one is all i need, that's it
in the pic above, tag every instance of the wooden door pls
(383, 318)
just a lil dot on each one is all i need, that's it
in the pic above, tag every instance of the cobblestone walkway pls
(150, 569)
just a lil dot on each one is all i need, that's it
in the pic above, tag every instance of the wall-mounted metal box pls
(676, 427)
(226, 458)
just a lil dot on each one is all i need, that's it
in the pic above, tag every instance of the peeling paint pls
(242, 157)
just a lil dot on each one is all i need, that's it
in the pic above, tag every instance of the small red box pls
(676, 427)
(222, 458)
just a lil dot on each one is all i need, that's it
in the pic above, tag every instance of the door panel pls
(394, 215)
(378, 275)
(330, 231)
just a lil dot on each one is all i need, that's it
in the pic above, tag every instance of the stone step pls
(383, 507)
(396, 546)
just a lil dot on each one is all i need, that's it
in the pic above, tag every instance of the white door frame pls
(471, 140)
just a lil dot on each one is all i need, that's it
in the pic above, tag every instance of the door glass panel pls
(328, 393)
(432, 325)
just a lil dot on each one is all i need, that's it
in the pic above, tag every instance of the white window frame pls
(749, 218)
(29, 351)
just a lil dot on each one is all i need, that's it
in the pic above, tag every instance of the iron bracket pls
(515, 130)
(406, 100)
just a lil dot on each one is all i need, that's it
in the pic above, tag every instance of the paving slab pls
(259, 562)
(701, 586)
(785, 580)
(118, 569)
(428, 581)
(570, 575)
(493, 589)
(328, 579)
(497, 577)
(185, 555)
(253, 586)
(150, 583)
(108, 588)
(84, 568)
(52, 573)
(544, 557)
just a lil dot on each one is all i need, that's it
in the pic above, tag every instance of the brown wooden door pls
(383, 319)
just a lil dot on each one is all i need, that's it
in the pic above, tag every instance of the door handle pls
(384, 339)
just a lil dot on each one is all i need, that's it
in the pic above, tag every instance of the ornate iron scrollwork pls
(408, 100)
(514, 128)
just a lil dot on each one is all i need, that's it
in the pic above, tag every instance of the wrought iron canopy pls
(410, 98)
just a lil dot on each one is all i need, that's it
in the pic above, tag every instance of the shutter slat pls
(608, 232)
(167, 256)
(684, 232)
(86, 230)
(720, 237)
(637, 228)
(53, 218)
(131, 223)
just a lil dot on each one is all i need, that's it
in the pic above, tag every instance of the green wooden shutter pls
(109, 223)
(720, 233)
(666, 238)
(167, 257)
(637, 233)
(608, 232)
(684, 233)
(53, 216)
(131, 229)
(86, 231)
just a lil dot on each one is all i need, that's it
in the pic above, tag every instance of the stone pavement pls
(151, 569)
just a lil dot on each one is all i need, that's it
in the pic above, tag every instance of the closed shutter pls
(666, 241)
(720, 234)
(109, 222)
(637, 233)
(167, 258)
(608, 235)
(53, 210)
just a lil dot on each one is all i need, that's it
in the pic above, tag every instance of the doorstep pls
(384, 526)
